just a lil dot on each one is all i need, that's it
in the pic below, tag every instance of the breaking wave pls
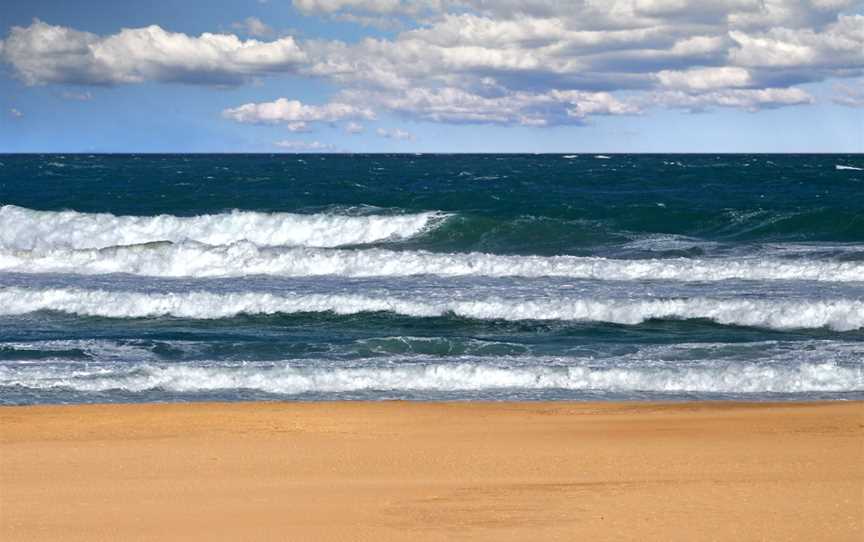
(286, 379)
(838, 314)
(190, 259)
(22, 228)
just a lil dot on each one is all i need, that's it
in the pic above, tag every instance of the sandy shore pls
(407, 471)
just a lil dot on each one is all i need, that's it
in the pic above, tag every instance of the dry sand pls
(420, 471)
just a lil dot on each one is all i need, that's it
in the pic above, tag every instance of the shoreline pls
(400, 470)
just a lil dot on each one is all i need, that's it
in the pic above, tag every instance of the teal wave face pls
(508, 204)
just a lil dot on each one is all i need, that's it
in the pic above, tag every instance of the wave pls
(23, 228)
(77, 348)
(286, 379)
(838, 315)
(190, 259)
(136, 350)
(840, 167)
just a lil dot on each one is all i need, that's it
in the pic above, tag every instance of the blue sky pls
(432, 76)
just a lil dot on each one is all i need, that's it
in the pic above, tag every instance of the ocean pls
(143, 278)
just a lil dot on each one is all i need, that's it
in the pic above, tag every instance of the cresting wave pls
(27, 229)
(190, 259)
(839, 314)
(288, 380)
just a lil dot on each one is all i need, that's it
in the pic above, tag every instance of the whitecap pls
(836, 314)
(28, 229)
(191, 259)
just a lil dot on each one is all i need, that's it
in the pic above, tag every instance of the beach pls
(433, 471)
(431, 347)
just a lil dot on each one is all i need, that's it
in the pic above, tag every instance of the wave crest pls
(839, 315)
(22, 228)
(190, 259)
(285, 379)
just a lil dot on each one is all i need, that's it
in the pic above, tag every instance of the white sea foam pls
(190, 259)
(838, 314)
(286, 379)
(841, 167)
(22, 228)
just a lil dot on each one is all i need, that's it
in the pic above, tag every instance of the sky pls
(432, 76)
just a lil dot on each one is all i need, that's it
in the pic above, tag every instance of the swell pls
(838, 314)
(22, 228)
(583, 227)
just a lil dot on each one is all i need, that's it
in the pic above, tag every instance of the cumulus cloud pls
(696, 79)
(748, 99)
(502, 62)
(606, 13)
(395, 133)
(839, 44)
(506, 62)
(304, 146)
(454, 105)
(42, 53)
(295, 113)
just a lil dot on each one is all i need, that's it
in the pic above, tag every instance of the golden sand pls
(433, 471)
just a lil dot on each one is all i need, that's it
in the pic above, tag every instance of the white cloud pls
(790, 13)
(253, 26)
(43, 53)
(304, 146)
(839, 44)
(705, 78)
(747, 99)
(353, 128)
(499, 61)
(605, 13)
(454, 105)
(507, 62)
(295, 113)
(395, 133)
(14, 113)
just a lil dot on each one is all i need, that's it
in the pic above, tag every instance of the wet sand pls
(433, 471)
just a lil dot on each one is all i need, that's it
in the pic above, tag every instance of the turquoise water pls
(586, 277)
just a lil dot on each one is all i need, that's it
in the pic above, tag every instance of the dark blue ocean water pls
(236, 277)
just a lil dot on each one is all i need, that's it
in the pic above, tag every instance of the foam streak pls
(839, 315)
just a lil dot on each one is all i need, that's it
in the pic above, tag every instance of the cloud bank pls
(42, 53)
(508, 62)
